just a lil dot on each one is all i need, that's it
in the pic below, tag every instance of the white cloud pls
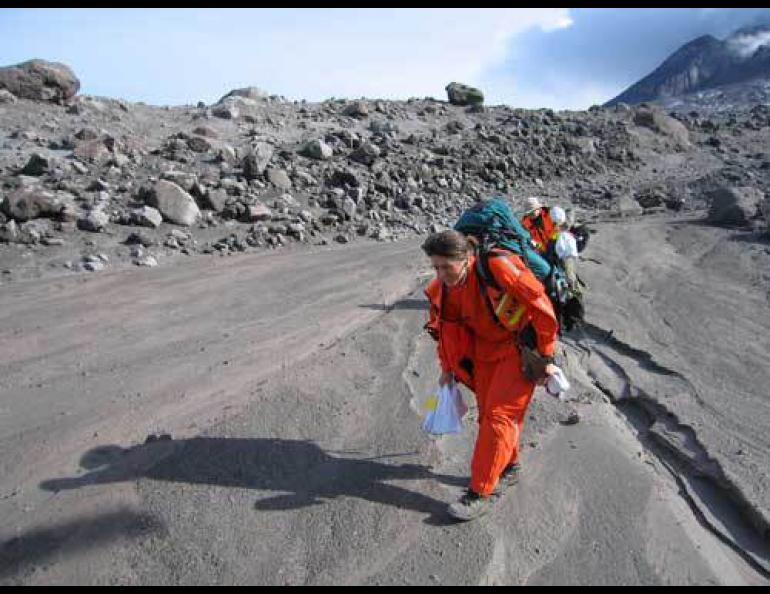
(746, 45)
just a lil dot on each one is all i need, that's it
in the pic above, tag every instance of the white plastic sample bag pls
(445, 411)
(566, 246)
(558, 384)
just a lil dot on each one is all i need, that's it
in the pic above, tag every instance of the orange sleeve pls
(515, 278)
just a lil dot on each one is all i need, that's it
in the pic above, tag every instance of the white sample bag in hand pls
(445, 411)
(557, 384)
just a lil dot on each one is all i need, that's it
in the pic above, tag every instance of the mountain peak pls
(705, 63)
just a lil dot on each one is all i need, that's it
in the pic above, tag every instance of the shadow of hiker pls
(72, 537)
(304, 473)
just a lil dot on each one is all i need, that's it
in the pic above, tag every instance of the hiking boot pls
(471, 505)
(508, 478)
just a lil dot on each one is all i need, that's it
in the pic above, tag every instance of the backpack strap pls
(486, 279)
(482, 271)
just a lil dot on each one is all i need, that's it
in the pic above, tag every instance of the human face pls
(450, 272)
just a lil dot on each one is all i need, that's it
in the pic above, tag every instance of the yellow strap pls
(515, 317)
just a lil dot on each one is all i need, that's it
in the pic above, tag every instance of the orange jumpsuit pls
(466, 330)
(541, 228)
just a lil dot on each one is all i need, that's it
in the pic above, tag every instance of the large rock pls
(176, 205)
(366, 154)
(93, 151)
(95, 221)
(349, 207)
(216, 200)
(226, 112)
(582, 145)
(31, 203)
(253, 93)
(734, 205)
(258, 212)
(183, 179)
(383, 127)
(7, 97)
(227, 154)
(317, 149)
(147, 216)
(255, 162)
(656, 120)
(9, 232)
(36, 166)
(343, 177)
(87, 133)
(206, 131)
(357, 109)
(627, 206)
(279, 178)
(460, 94)
(40, 80)
(198, 144)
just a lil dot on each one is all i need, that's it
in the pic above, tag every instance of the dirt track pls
(291, 385)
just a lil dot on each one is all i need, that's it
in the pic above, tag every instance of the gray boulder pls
(93, 151)
(366, 154)
(9, 232)
(226, 112)
(176, 205)
(258, 212)
(317, 149)
(253, 93)
(734, 205)
(382, 127)
(7, 97)
(255, 162)
(279, 179)
(205, 131)
(147, 216)
(216, 200)
(626, 205)
(199, 144)
(656, 120)
(349, 207)
(95, 221)
(460, 94)
(40, 80)
(582, 145)
(183, 179)
(357, 109)
(87, 133)
(36, 166)
(31, 203)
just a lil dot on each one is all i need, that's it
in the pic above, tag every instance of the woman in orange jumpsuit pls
(478, 330)
(539, 223)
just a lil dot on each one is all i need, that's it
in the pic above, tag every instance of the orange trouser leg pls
(503, 395)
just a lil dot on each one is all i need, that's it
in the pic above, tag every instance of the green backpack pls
(494, 225)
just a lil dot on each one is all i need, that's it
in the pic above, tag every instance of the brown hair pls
(448, 244)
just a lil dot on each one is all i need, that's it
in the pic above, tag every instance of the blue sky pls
(558, 58)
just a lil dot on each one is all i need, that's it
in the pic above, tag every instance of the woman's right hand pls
(447, 377)
(550, 369)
